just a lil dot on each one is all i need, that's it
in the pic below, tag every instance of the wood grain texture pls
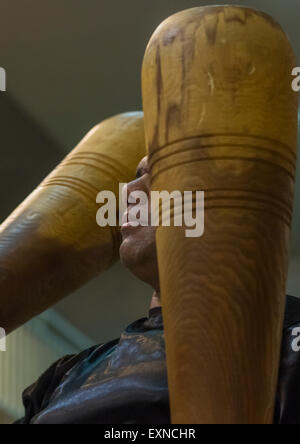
(51, 244)
(221, 116)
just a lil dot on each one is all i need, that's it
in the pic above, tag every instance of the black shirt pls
(125, 380)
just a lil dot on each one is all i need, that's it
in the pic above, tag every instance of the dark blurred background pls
(70, 64)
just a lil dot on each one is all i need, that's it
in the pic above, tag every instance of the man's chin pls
(126, 250)
(138, 254)
(131, 250)
(129, 235)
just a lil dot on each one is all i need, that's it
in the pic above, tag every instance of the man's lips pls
(125, 221)
(127, 228)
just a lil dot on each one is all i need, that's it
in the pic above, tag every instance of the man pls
(125, 380)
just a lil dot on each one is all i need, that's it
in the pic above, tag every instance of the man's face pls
(138, 248)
